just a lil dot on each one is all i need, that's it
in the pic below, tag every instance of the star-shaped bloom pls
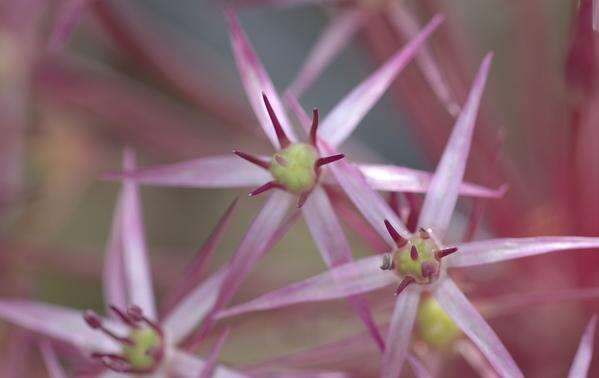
(132, 339)
(418, 261)
(296, 169)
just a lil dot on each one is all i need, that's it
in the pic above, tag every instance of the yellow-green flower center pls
(294, 167)
(436, 327)
(423, 265)
(144, 341)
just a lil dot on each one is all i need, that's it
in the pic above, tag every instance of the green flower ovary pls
(144, 339)
(436, 327)
(406, 266)
(293, 167)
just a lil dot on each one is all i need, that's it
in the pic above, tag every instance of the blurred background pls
(159, 76)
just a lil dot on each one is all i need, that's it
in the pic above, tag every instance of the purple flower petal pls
(51, 361)
(332, 40)
(60, 323)
(256, 82)
(584, 354)
(494, 250)
(407, 25)
(399, 334)
(356, 277)
(135, 256)
(224, 171)
(212, 361)
(69, 14)
(463, 313)
(113, 274)
(185, 365)
(401, 179)
(348, 113)
(442, 195)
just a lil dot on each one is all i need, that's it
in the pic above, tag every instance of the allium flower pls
(418, 262)
(131, 338)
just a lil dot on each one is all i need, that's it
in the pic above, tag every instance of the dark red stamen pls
(283, 140)
(414, 253)
(399, 240)
(135, 313)
(446, 252)
(94, 321)
(302, 199)
(414, 206)
(252, 159)
(423, 233)
(328, 160)
(121, 315)
(403, 284)
(268, 186)
(314, 127)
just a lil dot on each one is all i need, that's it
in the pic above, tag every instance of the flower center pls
(436, 327)
(294, 167)
(142, 350)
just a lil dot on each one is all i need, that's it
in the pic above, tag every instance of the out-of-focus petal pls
(211, 362)
(596, 15)
(256, 82)
(407, 25)
(58, 322)
(395, 178)
(333, 39)
(280, 3)
(69, 14)
(442, 195)
(51, 361)
(348, 113)
(463, 313)
(494, 250)
(135, 256)
(192, 308)
(399, 334)
(113, 275)
(185, 365)
(334, 247)
(584, 354)
(224, 171)
(356, 277)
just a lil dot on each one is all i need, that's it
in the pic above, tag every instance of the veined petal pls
(334, 247)
(399, 335)
(185, 365)
(69, 14)
(395, 178)
(224, 171)
(333, 39)
(211, 362)
(348, 113)
(463, 313)
(356, 277)
(60, 323)
(51, 361)
(442, 195)
(192, 308)
(584, 354)
(113, 275)
(135, 256)
(256, 82)
(494, 250)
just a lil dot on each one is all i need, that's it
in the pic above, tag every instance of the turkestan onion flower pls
(418, 262)
(131, 338)
(296, 170)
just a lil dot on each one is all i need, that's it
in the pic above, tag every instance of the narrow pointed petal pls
(61, 323)
(193, 273)
(335, 37)
(348, 113)
(212, 361)
(495, 250)
(136, 265)
(185, 365)
(463, 313)
(113, 274)
(401, 179)
(224, 171)
(443, 192)
(356, 277)
(69, 14)
(584, 354)
(51, 361)
(399, 334)
(256, 82)
(334, 247)
(407, 25)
